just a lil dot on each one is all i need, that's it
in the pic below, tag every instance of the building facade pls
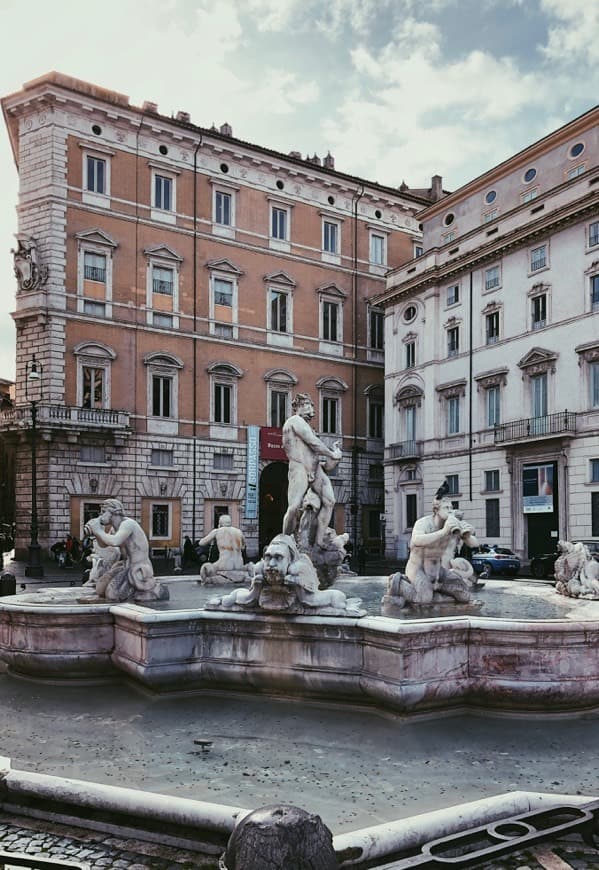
(177, 286)
(492, 352)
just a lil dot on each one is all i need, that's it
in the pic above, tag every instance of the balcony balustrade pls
(536, 427)
(65, 417)
(405, 450)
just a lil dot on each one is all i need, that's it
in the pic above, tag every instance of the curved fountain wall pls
(405, 666)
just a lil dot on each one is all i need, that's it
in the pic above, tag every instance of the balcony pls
(536, 427)
(405, 450)
(65, 417)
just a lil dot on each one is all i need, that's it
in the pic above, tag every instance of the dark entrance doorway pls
(540, 491)
(272, 502)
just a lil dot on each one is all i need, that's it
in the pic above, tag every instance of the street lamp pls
(33, 394)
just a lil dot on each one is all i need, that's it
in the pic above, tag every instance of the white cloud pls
(575, 38)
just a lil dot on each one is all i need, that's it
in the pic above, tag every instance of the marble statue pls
(29, 272)
(310, 493)
(285, 581)
(433, 573)
(576, 572)
(229, 566)
(131, 575)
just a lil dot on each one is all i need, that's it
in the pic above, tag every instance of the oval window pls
(491, 197)
(529, 175)
(576, 150)
(449, 219)
(410, 313)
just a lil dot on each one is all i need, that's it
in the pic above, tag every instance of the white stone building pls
(492, 352)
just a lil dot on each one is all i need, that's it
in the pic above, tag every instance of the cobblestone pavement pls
(99, 851)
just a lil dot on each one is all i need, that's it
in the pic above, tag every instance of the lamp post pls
(33, 394)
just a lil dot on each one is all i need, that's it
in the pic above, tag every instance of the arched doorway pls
(272, 501)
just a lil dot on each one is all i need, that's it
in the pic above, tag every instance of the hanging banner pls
(251, 480)
(537, 489)
(271, 444)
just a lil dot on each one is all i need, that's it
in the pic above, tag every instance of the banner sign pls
(271, 444)
(251, 480)
(537, 489)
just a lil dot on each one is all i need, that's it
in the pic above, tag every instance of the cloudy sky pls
(395, 89)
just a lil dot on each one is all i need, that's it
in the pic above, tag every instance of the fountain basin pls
(408, 666)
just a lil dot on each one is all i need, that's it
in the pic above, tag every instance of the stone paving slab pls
(99, 851)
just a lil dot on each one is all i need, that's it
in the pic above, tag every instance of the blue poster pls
(251, 483)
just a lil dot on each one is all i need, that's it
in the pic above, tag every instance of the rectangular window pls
(98, 309)
(163, 192)
(161, 396)
(492, 327)
(92, 453)
(377, 249)
(223, 292)
(329, 415)
(595, 514)
(95, 174)
(161, 457)
(222, 403)
(222, 208)
(594, 383)
(376, 471)
(410, 422)
(595, 292)
(594, 234)
(490, 216)
(223, 461)
(162, 280)
(418, 251)
(160, 520)
(94, 267)
(594, 470)
(538, 385)
(93, 387)
(493, 408)
(375, 419)
(330, 237)
(330, 321)
(453, 483)
(575, 171)
(453, 415)
(453, 341)
(410, 354)
(538, 258)
(492, 517)
(278, 408)
(279, 223)
(411, 509)
(453, 294)
(165, 321)
(491, 277)
(278, 311)
(377, 329)
(529, 195)
(539, 311)
(492, 480)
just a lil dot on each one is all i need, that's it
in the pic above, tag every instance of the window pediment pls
(163, 252)
(280, 278)
(588, 352)
(409, 336)
(375, 391)
(331, 289)
(492, 378)
(409, 396)
(452, 389)
(94, 349)
(539, 288)
(593, 268)
(280, 376)
(491, 308)
(96, 237)
(168, 360)
(537, 361)
(224, 265)
(225, 369)
(332, 384)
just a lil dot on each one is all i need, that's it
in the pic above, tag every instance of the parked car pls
(543, 565)
(495, 560)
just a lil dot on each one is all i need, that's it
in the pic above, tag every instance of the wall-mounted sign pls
(537, 489)
(251, 479)
(271, 444)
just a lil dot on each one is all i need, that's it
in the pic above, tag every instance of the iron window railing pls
(536, 427)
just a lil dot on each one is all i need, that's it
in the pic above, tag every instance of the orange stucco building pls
(177, 286)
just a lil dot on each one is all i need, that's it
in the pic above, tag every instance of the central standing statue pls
(310, 493)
